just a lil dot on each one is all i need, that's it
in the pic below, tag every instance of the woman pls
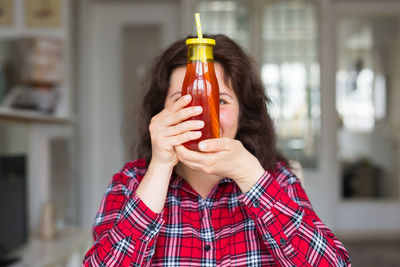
(234, 203)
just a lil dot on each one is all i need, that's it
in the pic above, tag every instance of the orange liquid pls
(201, 82)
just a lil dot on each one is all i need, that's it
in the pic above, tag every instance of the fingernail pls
(200, 123)
(186, 97)
(202, 146)
(198, 109)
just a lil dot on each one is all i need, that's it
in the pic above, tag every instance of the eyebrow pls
(231, 97)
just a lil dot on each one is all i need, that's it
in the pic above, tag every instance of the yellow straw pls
(198, 25)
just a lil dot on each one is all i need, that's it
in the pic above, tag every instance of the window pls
(227, 17)
(290, 71)
(288, 40)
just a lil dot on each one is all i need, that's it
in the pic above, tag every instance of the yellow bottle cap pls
(200, 41)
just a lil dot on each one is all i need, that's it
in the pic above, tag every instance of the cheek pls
(228, 122)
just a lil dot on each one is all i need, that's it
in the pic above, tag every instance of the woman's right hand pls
(169, 129)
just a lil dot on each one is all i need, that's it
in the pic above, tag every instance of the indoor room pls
(73, 79)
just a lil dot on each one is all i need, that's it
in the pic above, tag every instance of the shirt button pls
(282, 241)
(256, 204)
(207, 247)
(152, 227)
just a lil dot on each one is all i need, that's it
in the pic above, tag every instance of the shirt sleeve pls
(125, 229)
(288, 225)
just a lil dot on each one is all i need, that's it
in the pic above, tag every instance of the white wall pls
(100, 100)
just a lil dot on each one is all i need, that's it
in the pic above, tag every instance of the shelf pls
(31, 116)
(9, 34)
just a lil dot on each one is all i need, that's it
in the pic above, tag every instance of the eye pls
(222, 102)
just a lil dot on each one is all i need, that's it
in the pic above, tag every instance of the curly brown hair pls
(256, 129)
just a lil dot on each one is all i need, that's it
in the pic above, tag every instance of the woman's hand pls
(224, 157)
(169, 129)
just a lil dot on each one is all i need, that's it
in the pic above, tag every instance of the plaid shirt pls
(273, 224)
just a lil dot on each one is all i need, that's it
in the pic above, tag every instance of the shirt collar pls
(178, 182)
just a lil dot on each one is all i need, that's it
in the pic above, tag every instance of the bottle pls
(201, 82)
(47, 225)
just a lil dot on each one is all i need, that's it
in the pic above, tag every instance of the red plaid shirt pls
(271, 225)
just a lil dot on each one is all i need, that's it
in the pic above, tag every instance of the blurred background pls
(70, 73)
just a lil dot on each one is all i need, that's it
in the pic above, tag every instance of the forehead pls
(178, 74)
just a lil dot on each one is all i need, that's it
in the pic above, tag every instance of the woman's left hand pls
(224, 157)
